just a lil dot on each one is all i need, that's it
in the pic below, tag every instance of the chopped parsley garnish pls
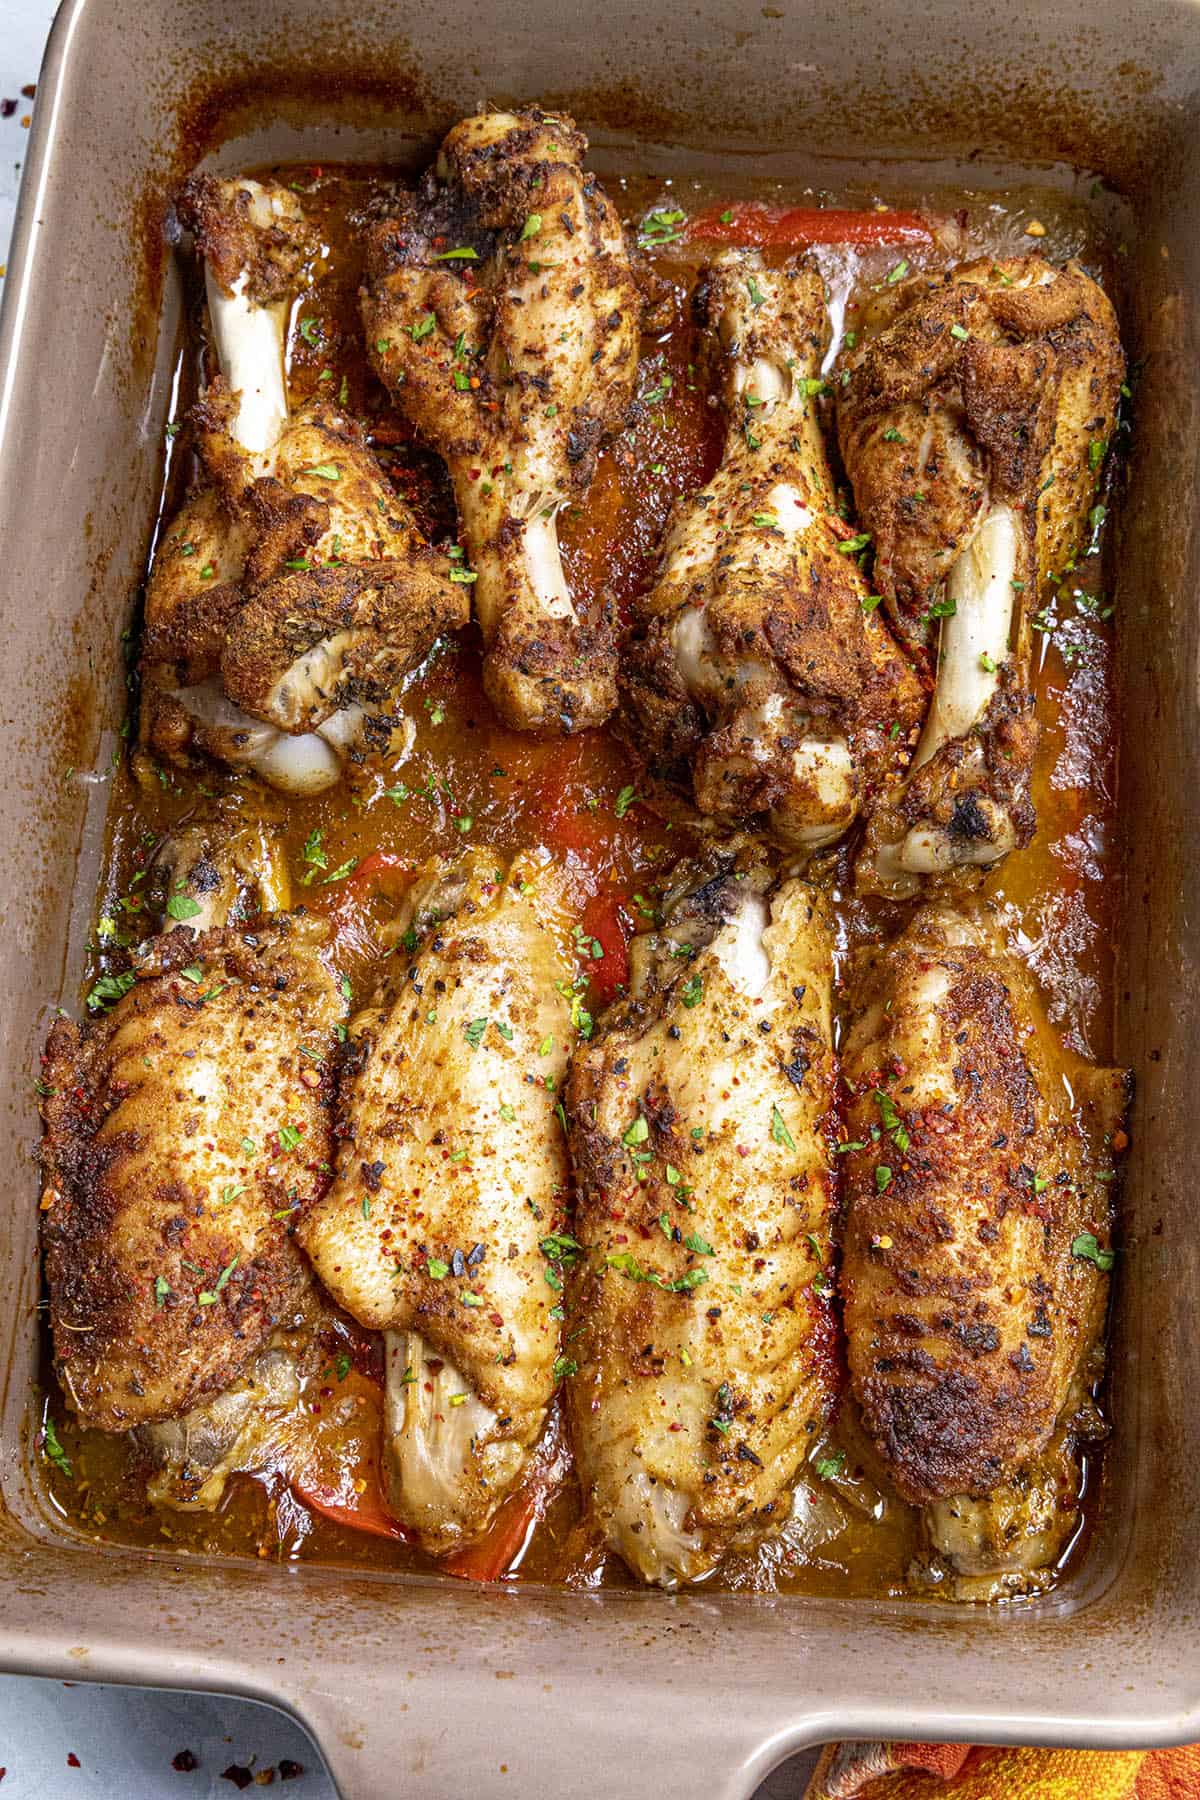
(109, 989)
(627, 1264)
(1088, 1250)
(779, 1130)
(182, 906)
(53, 1451)
(662, 226)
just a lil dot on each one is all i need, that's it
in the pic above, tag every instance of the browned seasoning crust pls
(989, 391)
(167, 1241)
(968, 1181)
(237, 242)
(994, 762)
(305, 591)
(979, 389)
(698, 1318)
(755, 636)
(501, 310)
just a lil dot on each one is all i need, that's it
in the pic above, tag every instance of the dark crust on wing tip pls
(110, 1229)
(217, 212)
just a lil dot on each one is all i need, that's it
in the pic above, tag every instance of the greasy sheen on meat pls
(183, 1130)
(451, 1184)
(756, 674)
(192, 1455)
(978, 1171)
(699, 1117)
(973, 426)
(293, 593)
(502, 315)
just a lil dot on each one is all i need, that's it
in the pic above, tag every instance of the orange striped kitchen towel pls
(895, 1771)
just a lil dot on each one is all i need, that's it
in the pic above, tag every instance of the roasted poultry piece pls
(257, 1419)
(973, 425)
(293, 592)
(183, 1130)
(756, 673)
(699, 1117)
(502, 314)
(978, 1159)
(446, 1217)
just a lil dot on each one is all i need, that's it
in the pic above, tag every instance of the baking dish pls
(428, 1687)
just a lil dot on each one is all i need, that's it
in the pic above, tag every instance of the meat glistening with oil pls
(590, 1059)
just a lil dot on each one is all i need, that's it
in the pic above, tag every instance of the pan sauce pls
(469, 780)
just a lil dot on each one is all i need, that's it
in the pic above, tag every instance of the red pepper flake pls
(240, 1776)
(183, 1762)
(72, 1760)
(289, 1770)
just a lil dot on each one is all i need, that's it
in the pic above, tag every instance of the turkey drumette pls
(444, 1222)
(182, 1132)
(699, 1117)
(757, 672)
(972, 426)
(502, 314)
(293, 592)
(978, 1162)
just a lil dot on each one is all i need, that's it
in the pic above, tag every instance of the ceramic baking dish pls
(430, 1688)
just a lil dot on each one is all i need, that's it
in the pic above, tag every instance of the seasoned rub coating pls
(756, 673)
(451, 1175)
(972, 426)
(243, 1427)
(294, 592)
(182, 1131)
(502, 314)
(978, 1218)
(255, 242)
(698, 1117)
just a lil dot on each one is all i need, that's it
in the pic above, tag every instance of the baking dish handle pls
(417, 1736)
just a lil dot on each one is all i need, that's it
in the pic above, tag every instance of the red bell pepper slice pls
(792, 227)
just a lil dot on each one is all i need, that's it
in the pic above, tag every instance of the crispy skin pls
(752, 664)
(725, 1056)
(247, 231)
(294, 592)
(293, 646)
(967, 1315)
(991, 387)
(541, 328)
(146, 1177)
(987, 391)
(451, 1166)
